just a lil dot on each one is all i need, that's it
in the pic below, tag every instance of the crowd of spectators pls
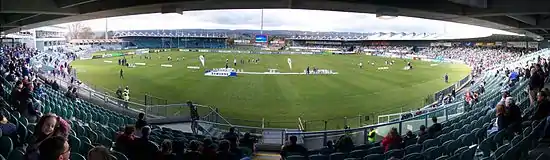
(49, 140)
(345, 144)
(482, 57)
(135, 143)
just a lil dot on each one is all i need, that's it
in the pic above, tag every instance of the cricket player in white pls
(289, 63)
(201, 58)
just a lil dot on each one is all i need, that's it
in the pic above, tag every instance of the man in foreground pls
(55, 148)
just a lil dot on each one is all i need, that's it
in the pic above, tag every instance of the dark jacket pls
(535, 81)
(140, 123)
(208, 153)
(514, 118)
(143, 149)
(293, 148)
(191, 155)
(434, 130)
(503, 122)
(542, 110)
(225, 155)
(163, 156)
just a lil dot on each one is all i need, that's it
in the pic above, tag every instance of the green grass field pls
(279, 99)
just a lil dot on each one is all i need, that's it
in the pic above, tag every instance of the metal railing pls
(317, 139)
(396, 116)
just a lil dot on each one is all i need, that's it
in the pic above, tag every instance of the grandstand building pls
(99, 44)
(414, 41)
(50, 38)
(172, 39)
(19, 38)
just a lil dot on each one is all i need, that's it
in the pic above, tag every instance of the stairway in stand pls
(267, 156)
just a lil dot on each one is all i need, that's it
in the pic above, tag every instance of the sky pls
(286, 19)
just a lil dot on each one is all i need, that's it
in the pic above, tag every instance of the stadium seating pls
(156, 42)
(461, 137)
(465, 135)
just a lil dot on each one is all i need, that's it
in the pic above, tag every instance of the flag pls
(201, 58)
(289, 63)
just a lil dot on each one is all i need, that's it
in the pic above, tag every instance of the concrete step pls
(267, 156)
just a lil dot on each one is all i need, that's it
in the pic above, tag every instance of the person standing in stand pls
(194, 116)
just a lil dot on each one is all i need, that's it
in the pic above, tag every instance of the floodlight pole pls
(106, 35)
(262, 23)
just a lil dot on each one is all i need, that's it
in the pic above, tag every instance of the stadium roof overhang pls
(529, 17)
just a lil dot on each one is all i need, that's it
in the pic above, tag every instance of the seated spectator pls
(55, 148)
(224, 152)
(142, 146)
(422, 134)
(99, 153)
(328, 149)
(392, 140)
(55, 86)
(293, 148)
(16, 93)
(193, 151)
(513, 113)
(502, 120)
(49, 125)
(248, 141)
(344, 144)
(409, 138)
(71, 93)
(28, 110)
(542, 109)
(434, 130)
(7, 128)
(165, 152)
(208, 150)
(38, 89)
(140, 123)
(125, 141)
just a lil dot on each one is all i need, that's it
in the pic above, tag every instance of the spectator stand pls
(315, 140)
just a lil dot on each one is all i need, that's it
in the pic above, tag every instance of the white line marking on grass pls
(193, 67)
(166, 65)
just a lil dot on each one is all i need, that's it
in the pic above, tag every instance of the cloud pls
(286, 19)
